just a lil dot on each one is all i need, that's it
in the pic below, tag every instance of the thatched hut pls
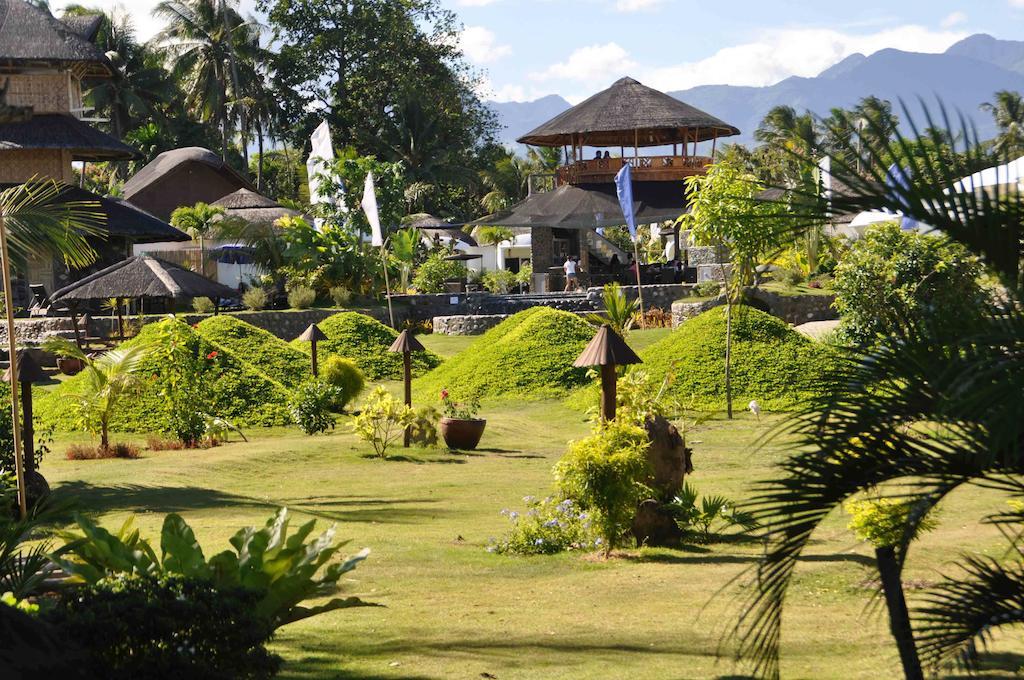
(253, 207)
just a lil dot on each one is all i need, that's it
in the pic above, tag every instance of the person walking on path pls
(571, 274)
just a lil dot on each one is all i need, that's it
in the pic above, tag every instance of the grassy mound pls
(365, 340)
(527, 356)
(262, 351)
(771, 363)
(238, 393)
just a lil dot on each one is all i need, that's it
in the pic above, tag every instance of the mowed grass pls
(453, 610)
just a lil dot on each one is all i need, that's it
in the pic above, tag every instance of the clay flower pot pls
(69, 365)
(462, 434)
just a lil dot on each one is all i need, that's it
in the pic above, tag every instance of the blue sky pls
(528, 48)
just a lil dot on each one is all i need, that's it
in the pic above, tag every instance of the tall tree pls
(1008, 111)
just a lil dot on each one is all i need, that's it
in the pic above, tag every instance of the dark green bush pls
(258, 349)
(311, 406)
(236, 392)
(167, 627)
(891, 276)
(344, 375)
(527, 356)
(435, 270)
(771, 363)
(365, 341)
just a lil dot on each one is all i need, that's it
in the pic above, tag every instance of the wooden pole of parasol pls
(19, 463)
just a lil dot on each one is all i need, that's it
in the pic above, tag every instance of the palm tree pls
(198, 222)
(493, 236)
(200, 39)
(619, 311)
(1008, 112)
(507, 182)
(923, 412)
(108, 378)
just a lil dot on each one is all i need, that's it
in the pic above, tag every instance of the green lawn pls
(453, 610)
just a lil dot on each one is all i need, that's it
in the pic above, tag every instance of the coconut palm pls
(1008, 112)
(506, 182)
(198, 221)
(108, 378)
(41, 222)
(928, 409)
(493, 236)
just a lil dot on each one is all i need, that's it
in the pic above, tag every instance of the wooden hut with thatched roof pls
(180, 177)
(253, 207)
(44, 62)
(599, 136)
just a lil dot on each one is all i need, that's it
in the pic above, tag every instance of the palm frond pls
(40, 221)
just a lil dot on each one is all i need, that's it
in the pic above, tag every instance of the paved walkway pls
(817, 329)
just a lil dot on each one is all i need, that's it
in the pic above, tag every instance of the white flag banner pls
(321, 155)
(369, 205)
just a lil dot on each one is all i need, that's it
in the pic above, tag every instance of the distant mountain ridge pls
(964, 76)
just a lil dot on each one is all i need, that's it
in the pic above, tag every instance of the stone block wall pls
(469, 324)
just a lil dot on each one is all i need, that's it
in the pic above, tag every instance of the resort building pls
(45, 66)
(662, 139)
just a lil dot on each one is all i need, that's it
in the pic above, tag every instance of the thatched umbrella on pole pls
(28, 372)
(313, 335)
(607, 350)
(407, 344)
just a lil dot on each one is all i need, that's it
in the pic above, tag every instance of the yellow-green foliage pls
(771, 362)
(382, 420)
(604, 474)
(883, 521)
(262, 351)
(365, 340)
(527, 356)
(345, 376)
(239, 393)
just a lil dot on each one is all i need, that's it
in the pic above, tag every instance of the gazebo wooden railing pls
(649, 168)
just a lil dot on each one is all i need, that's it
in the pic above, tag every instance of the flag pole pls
(639, 288)
(387, 285)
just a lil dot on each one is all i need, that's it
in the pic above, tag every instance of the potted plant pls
(460, 427)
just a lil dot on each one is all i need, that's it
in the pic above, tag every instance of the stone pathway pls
(817, 329)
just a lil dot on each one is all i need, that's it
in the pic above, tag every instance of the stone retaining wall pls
(469, 324)
(793, 309)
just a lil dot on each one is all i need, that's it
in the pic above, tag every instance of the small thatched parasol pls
(253, 207)
(607, 350)
(406, 344)
(313, 335)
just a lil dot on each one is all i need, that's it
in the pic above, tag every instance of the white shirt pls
(569, 267)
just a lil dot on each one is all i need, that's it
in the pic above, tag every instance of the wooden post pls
(312, 352)
(74, 324)
(407, 364)
(387, 285)
(19, 461)
(639, 287)
(608, 388)
(26, 410)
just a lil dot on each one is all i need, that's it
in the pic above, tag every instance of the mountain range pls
(963, 77)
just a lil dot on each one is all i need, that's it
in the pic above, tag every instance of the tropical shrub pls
(105, 381)
(707, 289)
(424, 426)
(166, 626)
(527, 356)
(283, 570)
(382, 421)
(546, 527)
(311, 405)
(434, 271)
(458, 410)
(301, 297)
(43, 437)
(365, 341)
(524, 277)
(89, 452)
(203, 305)
(890, 278)
(604, 475)
(340, 295)
(345, 377)
(655, 317)
(712, 516)
(499, 281)
(258, 349)
(184, 378)
(619, 311)
(883, 522)
(255, 299)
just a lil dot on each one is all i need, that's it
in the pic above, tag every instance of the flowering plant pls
(548, 526)
(465, 410)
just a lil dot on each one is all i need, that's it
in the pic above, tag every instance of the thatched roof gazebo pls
(31, 35)
(67, 133)
(253, 207)
(142, 277)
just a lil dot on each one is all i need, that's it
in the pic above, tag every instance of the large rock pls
(670, 461)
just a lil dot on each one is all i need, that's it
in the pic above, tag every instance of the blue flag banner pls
(899, 178)
(624, 188)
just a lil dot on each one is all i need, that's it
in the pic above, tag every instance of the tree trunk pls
(728, 355)
(104, 436)
(899, 617)
(259, 162)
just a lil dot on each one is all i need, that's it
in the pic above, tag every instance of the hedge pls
(261, 350)
(771, 363)
(527, 356)
(240, 394)
(365, 340)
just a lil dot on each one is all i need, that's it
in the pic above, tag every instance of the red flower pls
(212, 355)
(444, 394)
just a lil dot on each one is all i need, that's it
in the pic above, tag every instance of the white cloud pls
(955, 18)
(636, 5)
(806, 52)
(1016, 3)
(589, 64)
(480, 45)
